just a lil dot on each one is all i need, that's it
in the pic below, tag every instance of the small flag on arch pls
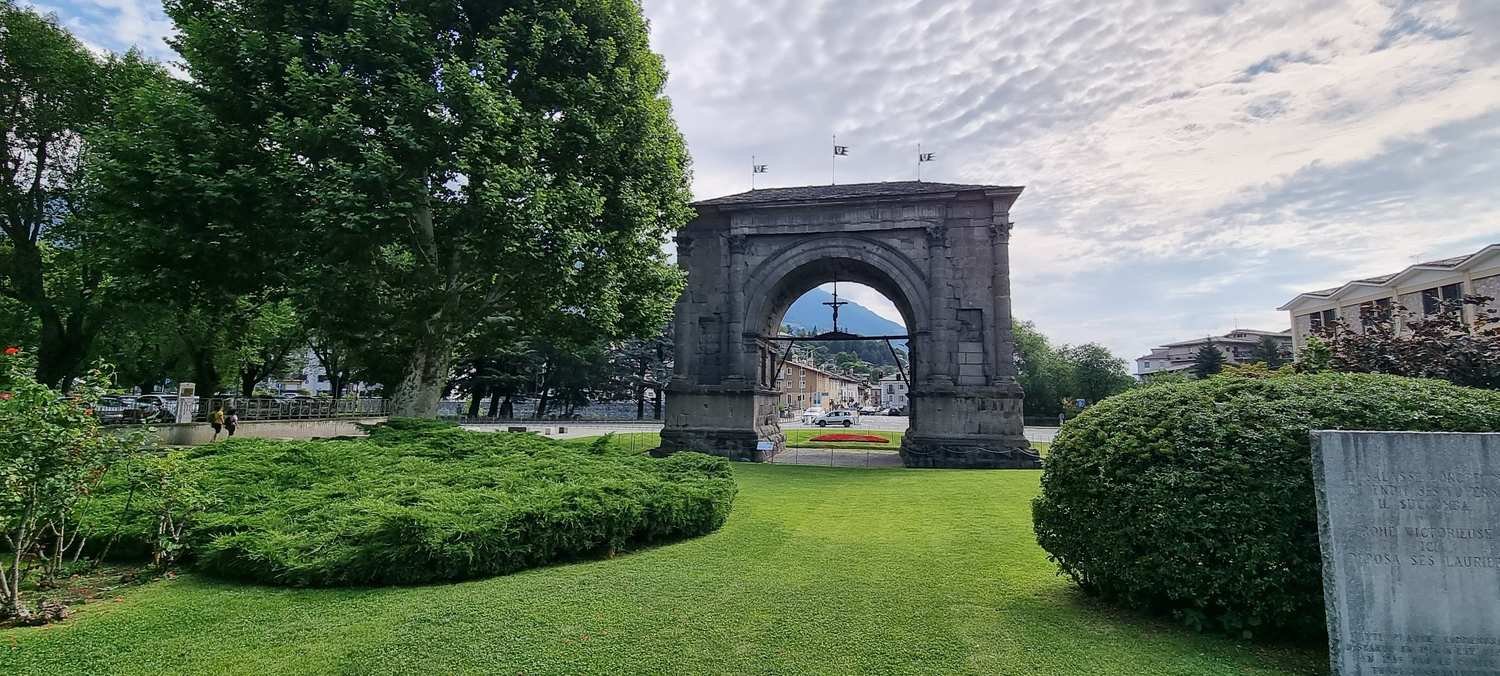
(759, 168)
(926, 157)
(841, 150)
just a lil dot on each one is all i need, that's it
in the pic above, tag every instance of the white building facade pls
(1238, 347)
(893, 392)
(1418, 291)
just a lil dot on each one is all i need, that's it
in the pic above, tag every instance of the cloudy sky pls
(1189, 165)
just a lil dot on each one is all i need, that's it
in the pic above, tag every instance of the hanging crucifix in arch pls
(836, 304)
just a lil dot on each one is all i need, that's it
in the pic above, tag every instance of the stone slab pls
(1410, 530)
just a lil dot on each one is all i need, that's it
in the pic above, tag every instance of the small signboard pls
(187, 402)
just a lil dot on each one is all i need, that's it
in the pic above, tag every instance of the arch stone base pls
(939, 252)
(967, 428)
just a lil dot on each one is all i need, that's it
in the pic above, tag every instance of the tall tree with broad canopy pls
(464, 160)
(53, 261)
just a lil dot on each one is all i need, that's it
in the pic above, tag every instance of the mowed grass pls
(818, 570)
(641, 442)
(802, 438)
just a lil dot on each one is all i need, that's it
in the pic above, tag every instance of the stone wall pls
(197, 434)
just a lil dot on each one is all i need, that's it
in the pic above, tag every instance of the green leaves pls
(421, 501)
(458, 163)
(1195, 499)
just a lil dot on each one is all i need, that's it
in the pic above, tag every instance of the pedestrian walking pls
(232, 422)
(216, 420)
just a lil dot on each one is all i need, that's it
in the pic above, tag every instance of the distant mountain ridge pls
(809, 313)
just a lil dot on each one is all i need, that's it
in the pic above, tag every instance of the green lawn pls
(800, 438)
(796, 438)
(819, 570)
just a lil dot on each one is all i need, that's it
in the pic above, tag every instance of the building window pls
(1434, 299)
(1326, 318)
(1374, 312)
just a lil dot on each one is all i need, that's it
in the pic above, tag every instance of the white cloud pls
(1190, 164)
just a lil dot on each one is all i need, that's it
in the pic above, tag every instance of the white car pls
(811, 414)
(836, 418)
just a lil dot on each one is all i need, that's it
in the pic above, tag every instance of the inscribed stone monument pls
(1410, 530)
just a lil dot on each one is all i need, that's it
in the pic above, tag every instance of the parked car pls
(836, 418)
(869, 410)
(811, 414)
(895, 411)
(151, 408)
(111, 409)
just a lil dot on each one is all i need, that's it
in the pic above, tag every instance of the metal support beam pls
(897, 359)
(782, 363)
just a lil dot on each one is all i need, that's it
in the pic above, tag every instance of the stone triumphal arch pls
(938, 251)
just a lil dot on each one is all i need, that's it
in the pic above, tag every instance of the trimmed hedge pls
(1196, 499)
(418, 503)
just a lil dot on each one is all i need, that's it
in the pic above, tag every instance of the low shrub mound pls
(856, 438)
(1196, 499)
(418, 502)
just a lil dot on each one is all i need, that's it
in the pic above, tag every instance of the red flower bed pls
(863, 438)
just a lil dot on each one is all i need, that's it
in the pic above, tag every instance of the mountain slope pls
(810, 313)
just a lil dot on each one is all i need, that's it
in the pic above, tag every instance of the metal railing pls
(299, 408)
(160, 409)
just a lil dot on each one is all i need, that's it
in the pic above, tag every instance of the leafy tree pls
(53, 258)
(646, 365)
(1316, 356)
(336, 357)
(1268, 351)
(1043, 372)
(1208, 361)
(463, 160)
(52, 451)
(1097, 373)
(265, 349)
(1445, 345)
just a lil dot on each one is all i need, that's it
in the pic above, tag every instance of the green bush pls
(420, 503)
(1196, 499)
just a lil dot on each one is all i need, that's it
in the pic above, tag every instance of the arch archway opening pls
(818, 370)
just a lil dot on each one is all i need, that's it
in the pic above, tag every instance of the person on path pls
(216, 419)
(232, 421)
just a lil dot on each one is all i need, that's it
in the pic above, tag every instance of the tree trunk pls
(656, 403)
(205, 374)
(421, 386)
(474, 402)
(495, 403)
(541, 406)
(640, 391)
(248, 379)
(507, 408)
(61, 353)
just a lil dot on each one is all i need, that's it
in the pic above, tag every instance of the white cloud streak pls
(1190, 164)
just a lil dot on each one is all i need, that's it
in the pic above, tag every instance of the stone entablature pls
(1411, 289)
(939, 252)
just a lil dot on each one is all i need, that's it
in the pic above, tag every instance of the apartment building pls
(804, 386)
(1419, 290)
(1238, 347)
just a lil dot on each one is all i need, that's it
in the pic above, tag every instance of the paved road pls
(576, 429)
